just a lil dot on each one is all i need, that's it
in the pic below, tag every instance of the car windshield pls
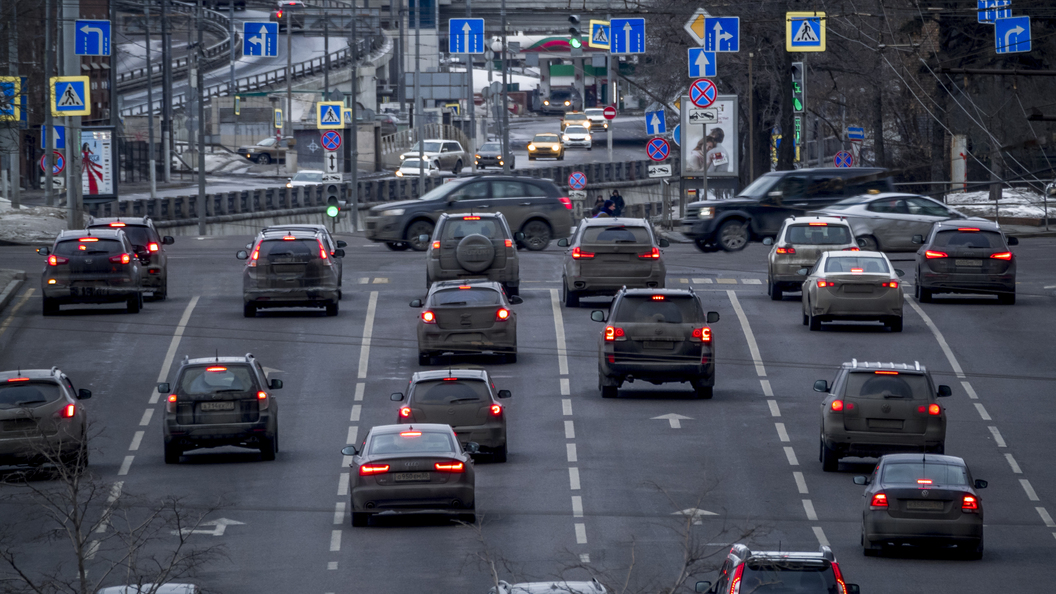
(215, 379)
(457, 228)
(88, 246)
(292, 250)
(447, 391)
(856, 264)
(545, 138)
(819, 234)
(885, 385)
(267, 142)
(27, 394)
(491, 147)
(138, 235)
(575, 130)
(760, 186)
(915, 472)
(472, 296)
(668, 309)
(412, 442)
(788, 576)
(617, 235)
(306, 176)
(445, 189)
(575, 116)
(968, 239)
(430, 147)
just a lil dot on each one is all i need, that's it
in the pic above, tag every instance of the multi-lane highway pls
(592, 486)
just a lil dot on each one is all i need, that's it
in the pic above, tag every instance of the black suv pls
(759, 209)
(656, 335)
(144, 237)
(779, 571)
(535, 207)
(218, 402)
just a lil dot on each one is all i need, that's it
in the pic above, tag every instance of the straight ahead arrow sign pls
(673, 418)
(465, 37)
(694, 513)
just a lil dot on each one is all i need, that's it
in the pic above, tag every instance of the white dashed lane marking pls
(573, 456)
(782, 434)
(801, 483)
(808, 507)
(982, 412)
(147, 414)
(1012, 462)
(570, 430)
(774, 410)
(573, 478)
(791, 455)
(1000, 441)
(577, 506)
(1031, 494)
(137, 439)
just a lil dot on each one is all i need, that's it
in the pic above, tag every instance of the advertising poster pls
(98, 167)
(709, 138)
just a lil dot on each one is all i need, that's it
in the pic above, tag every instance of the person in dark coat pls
(608, 209)
(618, 201)
(598, 204)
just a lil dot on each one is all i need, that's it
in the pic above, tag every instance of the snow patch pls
(1015, 202)
(34, 224)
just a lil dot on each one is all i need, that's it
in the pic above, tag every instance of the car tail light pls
(255, 256)
(613, 333)
(470, 218)
(578, 253)
(496, 409)
(968, 229)
(857, 270)
(370, 469)
(170, 404)
(262, 395)
(786, 250)
(658, 297)
(818, 224)
(879, 501)
(968, 505)
(822, 283)
(735, 583)
(566, 201)
(436, 245)
(1002, 256)
(885, 372)
(68, 411)
(654, 254)
(837, 406)
(890, 284)
(54, 260)
(216, 368)
(121, 259)
(88, 239)
(289, 238)
(932, 409)
(931, 254)
(702, 334)
(839, 577)
(410, 434)
(852, 249)
(153, 246)
(405, 412)
(503, 314)
(262, 400)
(509, 243)
(117, 224)
(323, 254)
(923, 481)
(428, 317)
(19, 379)
(451, 466)
(464, 287)
(172, 398)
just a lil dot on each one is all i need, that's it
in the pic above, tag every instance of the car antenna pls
(217, 355)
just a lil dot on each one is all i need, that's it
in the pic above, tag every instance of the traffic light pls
(574, 32)
(332, 193)
(799, 88)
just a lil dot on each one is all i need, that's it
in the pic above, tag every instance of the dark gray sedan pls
(490, 155)
(966, 257)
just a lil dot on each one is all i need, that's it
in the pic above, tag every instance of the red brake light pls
(54, 260)
(968, 229)
(654, 254)
(703, 334)
(463, 287)
(449, 466)
(509, 243)
(891, 284)
(369, 469)
(496, 409)
(839, 577)
(837, 405)
(822, 283)
(566, 201)
(19, 379)
(405, 412)
(879, 500)
(818, 224)
(118, 224)
(502, 314)
(153, 246)
(172, 398)
(735, 583)
(923, 481)
(428, 317)
(658, 297)
(322, 250)
(470, 218)
(262, 395)
(931, 255)
(436, 245)
(217, 368)
(1002, 256)
(786, 250)
(578, 253)
(968, 504)
(857, 270)
(288, 238)
(613, 333)
(88, 239)
(852, 249)
(121, 259)
(885, 372)
(68, 411)
(934, 410)
(411, 434)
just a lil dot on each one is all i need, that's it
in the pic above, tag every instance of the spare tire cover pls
(475, 253)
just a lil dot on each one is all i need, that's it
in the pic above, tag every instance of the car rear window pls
(887, 385)
(91, 245)
(451, 391)
(28, 394)
(137, 234)
(936, 472)
(289, 249)
(856, 264)
(457, 228)
(818, 235)
(616, 235)
(474, 296)
(788, 576)
(969, 239)
(216, 379)
(646, 309)
(412, 442)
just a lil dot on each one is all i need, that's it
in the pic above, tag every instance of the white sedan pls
(578, 136)
(412, 168)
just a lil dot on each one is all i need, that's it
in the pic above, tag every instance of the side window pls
(507, 189)
(472, 191)
(825, 187)
(452, 147)
(886, 205)
(793, 186)
(921, 206)
(534, 191)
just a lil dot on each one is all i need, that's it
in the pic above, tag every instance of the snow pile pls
(32, 225)
(1015, 202)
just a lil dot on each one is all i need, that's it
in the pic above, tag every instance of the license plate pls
(885, 423)
(659, 345)
(924, 505)
(686, 228)
(968, 262)
(857, 288)
(83, 291)
(213, 406)
(410, 477)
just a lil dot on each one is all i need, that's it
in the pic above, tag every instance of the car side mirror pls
(472, 447)
(416, 303)
(713, 316)
(163, 388)
(1013, 241)
(853, 589)
(518, 236)
(43, 251)
(275, 384)
(900, 273)
(423, 238)
(242, 255)
(516, 300)
(562, 242)
(945, 391)
(349, 450)
(249, 246)
(980, 484)
(768, 241)
(702, 586)
(860, 242)
(597, 315)
(396, 396)
(339, 253)
(342, 244)
(505, 394)
(918, 239)
(803, 271)
(664, 243)
(83, 394)
(821, 386)
(861, 480)
(168, 240)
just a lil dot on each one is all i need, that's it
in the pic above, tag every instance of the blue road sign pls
(465, 36)
(23, 118)
(599, 35)
(60, 138)
(855, 133)
(806, 33)
(843, 159)
(331, 140)
(658, 149)
(92, 38)
(722, 34)
(991, 10)
(260, 39)
(677, 135)
(1012, 36)
(701, 63)
(655, 123)
(577, 181)
(71, 96)
(627, 36)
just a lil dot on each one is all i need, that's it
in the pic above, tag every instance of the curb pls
(12, 288)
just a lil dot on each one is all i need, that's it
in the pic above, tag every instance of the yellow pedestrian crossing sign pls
(70, 96)
(10, 96)
(328, 115)
(805, 31)
(599, 34)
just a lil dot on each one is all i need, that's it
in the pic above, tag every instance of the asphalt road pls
(591, 486)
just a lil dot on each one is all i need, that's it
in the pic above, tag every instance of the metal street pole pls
(503, 107)
(232, 85)
(751, 122)
(470, 102)
(198, 52)
(150, 111)
(13, 156)
(612, 80)
(288, 116)
(49, 122)
(355, 128)
(326, 59)
(111, 82)
(417, 93)
(401, 89)
(71, 66)
(166, 93)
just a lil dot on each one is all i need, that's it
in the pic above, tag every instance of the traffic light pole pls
(198, 53)
(470, 102)
(505, 86)
(151, 158)
(612, 81)
(354, 140)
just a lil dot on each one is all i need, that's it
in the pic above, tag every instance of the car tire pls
(733, 235)
(806, 319)
(501, 453)
(775, 293)
(268, 447)
(1007, 298)
(263, 159)
(425, 359)
(705, 246)
(895, 324)
(135, 302)
(537, 235)
(571, 298)
(163, 292)
(360, 519)
(396, 246)
(923, 295)
(975, 553)
(457, 168)
(172, 454)
(419, 227)
(513, 290)
(562, 156)
(814, 322)
(871, 549)
(249, 310)
(609, 391)
(830, 458)
(331, 308)
(869, 244)
(51, 307)
(702, 391)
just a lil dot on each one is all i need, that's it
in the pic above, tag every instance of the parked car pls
(141, 232)
(887, 222)
(93, 266)
(42, 419)
(305, 177)
(448, 154)
(759, 209)
(411, 167)
(535, 207)
(607, 254)
(745, 571)
(268, 150)
(465, 246)
(966, 257)
(490, 155)
(288, 11)
(799, 244)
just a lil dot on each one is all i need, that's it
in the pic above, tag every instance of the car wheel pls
(814, 322)
(414, 230)
(396, 246)
(830, 458)
(134, 303)
(268, 447)
(733, 235)
(510, 356)
(537, 235)
(457, 168)
(249, 310)
(51, 307)
(869, 244)
(162, 292)
(895, 324)
(512, 291)
(923, 295)
(424, 359)
(869, 548)
(561, 157)
(571, 298)
(976, 553)
(775, 292)
(263, 159)
(172, 454)
(702, 391)
(1007, 298)
(340, 294)
(360, 519)
(806, 319)
(609, 391)
(500, 453)
(331, 308)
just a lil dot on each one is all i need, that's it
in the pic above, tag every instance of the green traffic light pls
(575, 42)
(331, 211)
(797, 104)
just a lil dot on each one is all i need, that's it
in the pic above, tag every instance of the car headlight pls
(706, 212)
(531, 147)
(477, 156)
(289, 184)
(546, 102)
(398, 174)
(556, 147)
(392, 212)
(402, 157)
(565, 138)
(587, 124)
(568, 103)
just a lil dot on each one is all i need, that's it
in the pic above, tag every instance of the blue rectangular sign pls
(722, 34)
(465, 36)
(92, 38)
(655, 122)
(1012, 36)
(260, 39)
(60, 137)
(855, 133)
(627, 36)
(991, 10)
(701, 63)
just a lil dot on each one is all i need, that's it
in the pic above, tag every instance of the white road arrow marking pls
(627, 36)
(673, 418)
(219, 527)
(465, 37)
(1015, 31)
(702, 62)
(694, 513)
(88, 30)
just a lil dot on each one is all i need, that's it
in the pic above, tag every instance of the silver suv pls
(449, 154)
(799, 244)
(473, 246)
(41, 420)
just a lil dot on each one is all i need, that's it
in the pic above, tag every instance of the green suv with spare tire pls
(467, 246)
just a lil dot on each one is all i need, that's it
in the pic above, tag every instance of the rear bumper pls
(471, 340)
(99, 293)
(875, 443)
(216, 435)
(609, 285)
(487, 436)
(858, 308)
(968, 283)
(658, 372)
(266, 298)
(423, 498)
(879, 525)
(30, 449)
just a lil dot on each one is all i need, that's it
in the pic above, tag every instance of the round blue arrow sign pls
(577, 181)
(658, 149)
(331, 140)
(677, 135)
(702, 92)
(843, 159)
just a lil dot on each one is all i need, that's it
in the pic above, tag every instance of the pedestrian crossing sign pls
(328, 115)
(10, 98)
(70, 96)
(805, 31)
(599, 34)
